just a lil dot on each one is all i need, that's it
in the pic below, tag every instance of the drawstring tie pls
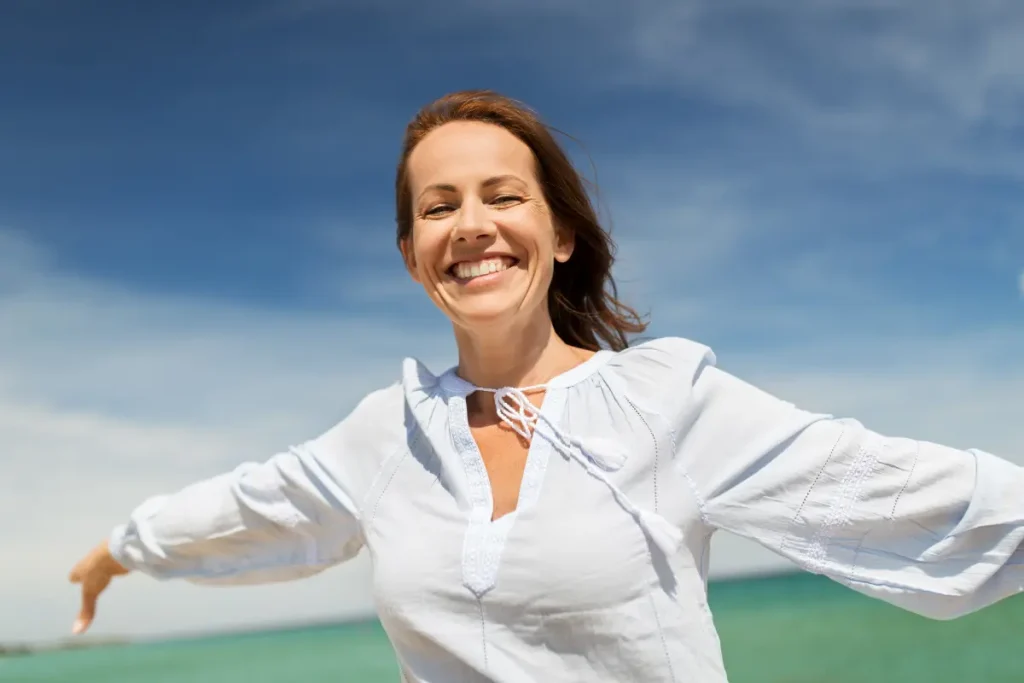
(597, 456)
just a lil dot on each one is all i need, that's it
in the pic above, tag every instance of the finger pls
(85, 614)
(80, 626)
(90, 593)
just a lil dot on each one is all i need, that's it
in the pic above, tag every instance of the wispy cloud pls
(894, 85)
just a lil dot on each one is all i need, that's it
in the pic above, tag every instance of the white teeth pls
(466, 271)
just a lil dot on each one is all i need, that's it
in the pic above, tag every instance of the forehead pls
(466, 152)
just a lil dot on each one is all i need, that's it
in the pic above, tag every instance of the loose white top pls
(636, 458)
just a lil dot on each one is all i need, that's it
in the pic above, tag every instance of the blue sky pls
(197, 262)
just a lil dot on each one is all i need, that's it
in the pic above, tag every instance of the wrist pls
(110, 563)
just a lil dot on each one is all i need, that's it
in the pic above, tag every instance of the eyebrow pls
(490, 182)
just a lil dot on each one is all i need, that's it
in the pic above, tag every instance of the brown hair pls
(582, 300)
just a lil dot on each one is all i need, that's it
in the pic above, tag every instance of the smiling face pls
(484, 242)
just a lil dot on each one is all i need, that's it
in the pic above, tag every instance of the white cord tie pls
(597, 456)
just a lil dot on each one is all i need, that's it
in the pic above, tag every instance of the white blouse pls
(637, 457)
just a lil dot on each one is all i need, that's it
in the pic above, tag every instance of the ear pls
(409, 257)
(565, 243)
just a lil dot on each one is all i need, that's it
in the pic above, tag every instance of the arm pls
(285, 518)
(260, 523)
(935, 530)
(292, 516)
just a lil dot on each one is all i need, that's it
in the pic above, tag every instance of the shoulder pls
(355, 449)
(680, 378)
(379, 415)
(665, 360)
(659, 375)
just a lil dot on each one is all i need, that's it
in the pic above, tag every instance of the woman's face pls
(483, 242)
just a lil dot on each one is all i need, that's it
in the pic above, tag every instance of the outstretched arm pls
(933, 529)
(289, 517)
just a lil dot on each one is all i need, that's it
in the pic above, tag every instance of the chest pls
(504, 454)
(570, 549)
(502, 449)
(472, 511)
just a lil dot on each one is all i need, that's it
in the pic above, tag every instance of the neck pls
(527, 355)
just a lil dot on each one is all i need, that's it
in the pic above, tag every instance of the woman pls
(543, 510)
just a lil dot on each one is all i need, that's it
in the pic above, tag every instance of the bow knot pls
(596, 456)
(515, 409)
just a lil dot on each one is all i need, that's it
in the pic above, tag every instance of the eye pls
(507, 199)
(437, 210)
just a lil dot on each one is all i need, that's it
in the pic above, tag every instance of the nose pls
(473, 222)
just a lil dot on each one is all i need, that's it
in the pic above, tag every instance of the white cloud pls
(963, 56)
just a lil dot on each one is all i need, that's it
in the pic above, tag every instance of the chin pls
(479, 317)
(489, 312)
(499, 307)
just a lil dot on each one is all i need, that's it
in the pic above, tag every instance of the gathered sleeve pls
(935, 530)
(287, 517)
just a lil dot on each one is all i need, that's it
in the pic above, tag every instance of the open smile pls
(487, 268)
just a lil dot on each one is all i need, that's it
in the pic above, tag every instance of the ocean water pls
(787, 629)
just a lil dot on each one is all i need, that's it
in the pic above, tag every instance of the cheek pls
(533, 231)
(427, 249)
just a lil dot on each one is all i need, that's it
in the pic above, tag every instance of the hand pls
(94, 572)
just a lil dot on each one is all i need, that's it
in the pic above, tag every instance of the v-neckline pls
(485, 537)
(523, 496)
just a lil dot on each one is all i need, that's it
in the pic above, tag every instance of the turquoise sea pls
(786, 629)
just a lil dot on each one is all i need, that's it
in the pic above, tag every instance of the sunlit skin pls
(475, 195)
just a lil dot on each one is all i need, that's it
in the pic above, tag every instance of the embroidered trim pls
(479, 493)
(475, 542)
(484, 542)
(839, 512)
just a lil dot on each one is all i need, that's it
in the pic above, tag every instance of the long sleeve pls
(288, 517)
(935, 530)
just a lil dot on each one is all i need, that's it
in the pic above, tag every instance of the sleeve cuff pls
(116, 545)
